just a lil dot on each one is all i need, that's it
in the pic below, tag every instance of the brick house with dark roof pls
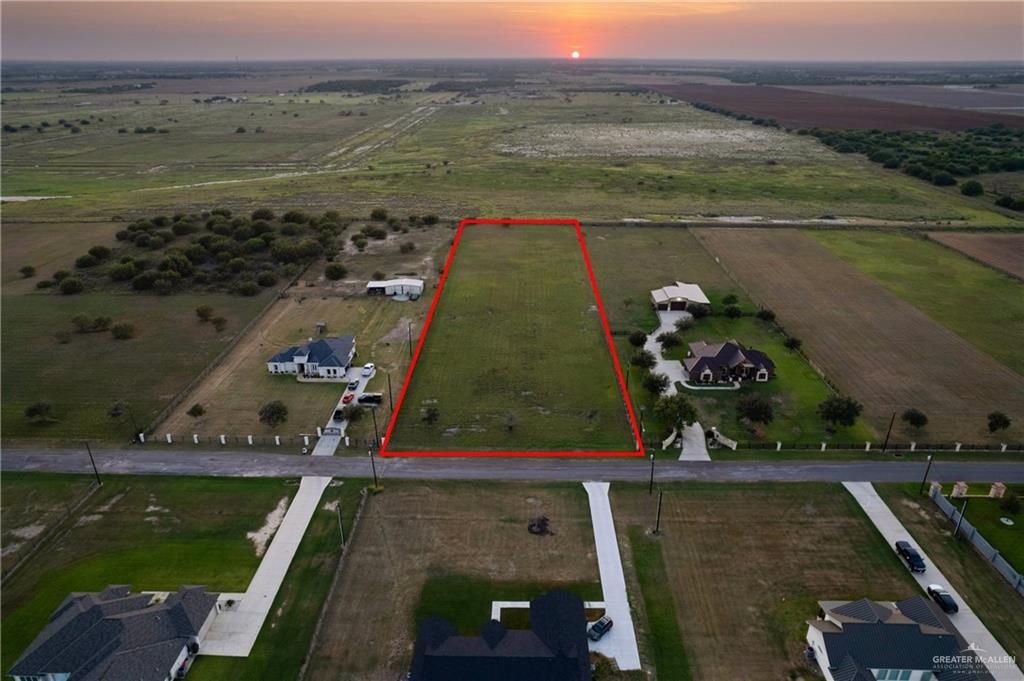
(726, 362)
(553, 649)
(909, 640)
(115, 635)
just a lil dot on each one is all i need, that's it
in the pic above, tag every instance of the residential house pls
(553, 649)
(399, 289)
(910, 640)
(726, 362)
(327, 358)
(115, 635)
(680, 296)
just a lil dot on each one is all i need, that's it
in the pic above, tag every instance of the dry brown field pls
(873, 345)
(1002, 251)
(416, 530)
(745, 571)
(1000, 100)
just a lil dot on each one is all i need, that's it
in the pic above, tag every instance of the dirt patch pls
(261, 537)
(1004, 252)
(28, 531)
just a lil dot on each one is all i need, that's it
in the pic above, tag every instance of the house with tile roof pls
(726, 362)
(909, 640)
(553, 649)
(325, 358)
(114, 635)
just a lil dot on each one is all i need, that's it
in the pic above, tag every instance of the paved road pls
(263, 464)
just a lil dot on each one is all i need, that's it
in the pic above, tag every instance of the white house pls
(678, 296)
(327, 358)
(399, 289)
(910, 640)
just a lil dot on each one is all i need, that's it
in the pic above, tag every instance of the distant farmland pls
(1003, 251)
(801, 109)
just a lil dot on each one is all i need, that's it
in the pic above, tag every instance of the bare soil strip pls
(1005, 252)
(873, 345)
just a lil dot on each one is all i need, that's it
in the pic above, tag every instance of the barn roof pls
(680, 291)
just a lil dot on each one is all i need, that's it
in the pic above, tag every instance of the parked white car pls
(368, 369)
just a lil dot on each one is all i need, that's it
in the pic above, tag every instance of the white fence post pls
(142, 438)
(277, 440)
(305, 440)
(957, 446)
(319, 431)
(195, 438)
(778, 446)
(223, 440)
(250, 439)
(867, 446)
(823, 446)
(913, 446)
(170, 440)
(1002, 447)
(346, 441)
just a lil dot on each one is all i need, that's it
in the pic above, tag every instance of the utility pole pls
(410, 340)
(888, 432)
(373, 465)
(376, 437)
(628, 372)
(650, 488)
(99, 482)
(642, 429)
(959, 520)
(657, 522)
(341, 525)
(924, 480)
(391, 402)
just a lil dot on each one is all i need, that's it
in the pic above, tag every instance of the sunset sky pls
(820, 30)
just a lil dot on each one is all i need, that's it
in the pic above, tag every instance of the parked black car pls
(910, 556)
(600, 628)
(339, 415)
(942, 597)
(370, 398)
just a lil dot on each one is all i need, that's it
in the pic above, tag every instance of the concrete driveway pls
(670, 367)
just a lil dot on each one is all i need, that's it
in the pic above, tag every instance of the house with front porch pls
(727, 362)
(326, 358)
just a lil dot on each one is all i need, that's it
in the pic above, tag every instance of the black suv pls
(600, 628)
(910, 556)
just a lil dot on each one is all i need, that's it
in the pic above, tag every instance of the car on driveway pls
(371, 398)
(339, 415)
(942, 597)
(368, 369)
(600, 628)
(910, 556)
(348, 398)
(354, 385)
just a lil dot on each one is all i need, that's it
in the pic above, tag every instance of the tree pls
(733, 312)
(28, 271)
(755, 408)
(82, 323)
(730, 299)
(997, 420)
(39, 412)
(839, 410)
(379, 214)
(644, 359)
(656, 383)
(240, 129)
(676, 410)
(669, 340)
(204, 312)
(71, 286)
(637, 338)
(266, 278)
(219, 323)
(914, 418)
(699, 311)
(407, 247)
(683, 324)
(122, 331)
(972, 188)
(352, 412)
(100, 252)
(792, 343)
(943, 179)
(273, 413)
(766, 315)
(335, 271)
(262, 214)
(431, 415)
(1010, 503)
(430, 219)
(86, 261)
(196, 410)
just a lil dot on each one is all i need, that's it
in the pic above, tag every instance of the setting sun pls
(575, 54)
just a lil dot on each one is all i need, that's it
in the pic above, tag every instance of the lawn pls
(981, 305)
(995, 601)
(284, 641)
(152, 533)
(985, 513)
(515, 358)
(84, 376)
(741, 572)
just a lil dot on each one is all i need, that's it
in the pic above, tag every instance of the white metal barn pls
(399, 289)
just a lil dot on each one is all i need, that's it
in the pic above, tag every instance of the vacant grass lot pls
(417, 534)
(83, 377)
(515, 358)
(982, 306)
(152, 533)
(988, 593)
(740, 569)
(47, 246)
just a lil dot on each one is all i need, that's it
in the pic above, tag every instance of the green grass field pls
(152, 533)
(515, 358)
(985, 513)
(978, 303)
(83, 377)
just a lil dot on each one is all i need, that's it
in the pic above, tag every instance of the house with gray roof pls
(115, 635)
(553, 649)
(325, 358)
(909, 640)
(726, 362)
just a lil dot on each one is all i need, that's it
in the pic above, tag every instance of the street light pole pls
(93, 462)
(925, 478)
(650, 489)
(373, 465)
(959, 520)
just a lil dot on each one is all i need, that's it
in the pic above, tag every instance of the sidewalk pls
(695, 447)
(234, 632)
(966, 621)
(620, 642)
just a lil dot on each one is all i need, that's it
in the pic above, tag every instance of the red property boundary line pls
(639, 451)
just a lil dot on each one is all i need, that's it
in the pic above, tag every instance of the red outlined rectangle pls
(639, 451)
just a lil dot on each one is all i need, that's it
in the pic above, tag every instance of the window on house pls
(926, 676)
(882, 674)
(905, 675)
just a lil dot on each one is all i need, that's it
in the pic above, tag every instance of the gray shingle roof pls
(114, 635)
(326, 352)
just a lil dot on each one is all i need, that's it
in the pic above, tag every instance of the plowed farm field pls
(800, 109)
(1002, 251)
(875, 346)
